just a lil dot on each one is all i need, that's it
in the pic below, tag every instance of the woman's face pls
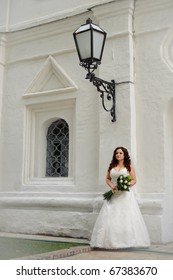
(119, 155)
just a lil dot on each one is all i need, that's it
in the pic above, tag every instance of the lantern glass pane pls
(83, 28)
(96, 27)
(84, 44)
(97, 44)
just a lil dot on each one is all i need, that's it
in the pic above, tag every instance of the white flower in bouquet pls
(124, 183)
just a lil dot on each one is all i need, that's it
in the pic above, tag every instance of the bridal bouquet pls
(123, 184)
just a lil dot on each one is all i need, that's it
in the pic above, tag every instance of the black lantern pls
(90, 40)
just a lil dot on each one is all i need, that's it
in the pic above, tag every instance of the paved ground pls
(155, 252)
(84, 252)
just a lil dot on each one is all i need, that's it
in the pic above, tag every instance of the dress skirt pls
(120, 224)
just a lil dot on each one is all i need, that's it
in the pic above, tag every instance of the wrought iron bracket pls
(107, 90)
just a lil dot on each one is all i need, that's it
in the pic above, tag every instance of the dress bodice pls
(116, 173)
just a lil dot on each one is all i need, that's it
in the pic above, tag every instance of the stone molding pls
(147, 6)
(34, 158)
(166, 49)
(56, 16)
(49, 68)
(72, 202)
(3, 42)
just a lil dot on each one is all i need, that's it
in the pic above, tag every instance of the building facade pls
(56, 139)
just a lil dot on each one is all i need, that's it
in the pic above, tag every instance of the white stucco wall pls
(153, 90)
(42, 81)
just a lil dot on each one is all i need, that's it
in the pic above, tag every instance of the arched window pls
(57, 149)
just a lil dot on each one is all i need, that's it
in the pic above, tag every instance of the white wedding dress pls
(120, 223)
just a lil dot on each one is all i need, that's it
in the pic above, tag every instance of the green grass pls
(11, 248)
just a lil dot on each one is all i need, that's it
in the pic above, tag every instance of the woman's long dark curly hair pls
(127, 160)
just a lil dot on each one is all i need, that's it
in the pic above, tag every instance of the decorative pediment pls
(50, 79)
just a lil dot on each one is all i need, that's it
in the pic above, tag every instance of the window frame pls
(38, 118)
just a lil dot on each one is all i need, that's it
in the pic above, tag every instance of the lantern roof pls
(89, 25)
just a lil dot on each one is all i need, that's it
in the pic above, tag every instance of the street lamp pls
(90, 40)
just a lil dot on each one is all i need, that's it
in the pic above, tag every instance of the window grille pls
(57, 149)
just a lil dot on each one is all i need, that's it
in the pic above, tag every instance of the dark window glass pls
(57, 149)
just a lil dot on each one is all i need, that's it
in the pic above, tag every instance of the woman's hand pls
(114, 188)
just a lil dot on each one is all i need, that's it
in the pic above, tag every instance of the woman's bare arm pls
(133, 175)
(109, 182)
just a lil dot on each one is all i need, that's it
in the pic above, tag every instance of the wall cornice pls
(52, 29)
(58, 15)
(68, 24)
(113, 9)
(147, 6)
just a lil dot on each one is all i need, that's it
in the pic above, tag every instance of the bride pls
(120, 223)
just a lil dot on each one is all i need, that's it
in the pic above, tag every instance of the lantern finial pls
(88, 21)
